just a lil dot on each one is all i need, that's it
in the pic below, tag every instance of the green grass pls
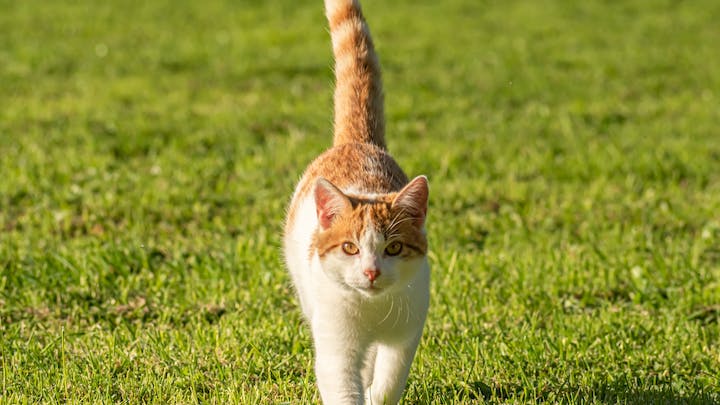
(148, 149)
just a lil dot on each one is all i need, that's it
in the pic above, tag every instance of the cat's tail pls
(359, 113)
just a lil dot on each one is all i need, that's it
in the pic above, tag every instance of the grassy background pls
(148, 149)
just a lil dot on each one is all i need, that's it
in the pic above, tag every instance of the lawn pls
(148, 151)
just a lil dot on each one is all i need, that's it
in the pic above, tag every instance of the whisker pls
(407, 316)
(399, 312)
(397, 221)
(392, 304)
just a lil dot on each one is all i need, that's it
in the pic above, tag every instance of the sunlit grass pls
(148, 150)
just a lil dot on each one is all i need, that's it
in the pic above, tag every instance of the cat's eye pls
(393, 249)
(350, 248)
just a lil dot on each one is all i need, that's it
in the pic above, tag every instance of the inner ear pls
(329, 202)
(413, 199)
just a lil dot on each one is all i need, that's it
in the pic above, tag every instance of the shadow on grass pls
(612, 393)
(663, 395)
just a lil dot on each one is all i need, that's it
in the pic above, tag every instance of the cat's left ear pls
(413, 199)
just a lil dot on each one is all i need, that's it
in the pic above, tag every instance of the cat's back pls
(356, 168)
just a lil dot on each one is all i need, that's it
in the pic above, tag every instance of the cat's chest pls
(394, 317)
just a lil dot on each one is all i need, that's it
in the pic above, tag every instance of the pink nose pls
(372, 274)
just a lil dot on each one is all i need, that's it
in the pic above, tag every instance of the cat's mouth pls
(370, 290)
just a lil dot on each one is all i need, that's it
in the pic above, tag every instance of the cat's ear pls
(329, 202)
(413, 198)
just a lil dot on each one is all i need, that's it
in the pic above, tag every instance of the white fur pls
(365, 339)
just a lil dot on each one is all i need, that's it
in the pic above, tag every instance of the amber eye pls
(350, 248)
(393, 249)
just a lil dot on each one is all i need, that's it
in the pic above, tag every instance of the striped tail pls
(359, 113)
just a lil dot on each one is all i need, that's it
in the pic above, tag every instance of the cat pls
(355, 243)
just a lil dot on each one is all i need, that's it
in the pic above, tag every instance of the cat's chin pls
(371, 291)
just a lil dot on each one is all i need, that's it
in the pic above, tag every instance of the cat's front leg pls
(392, 366)
(338, 364)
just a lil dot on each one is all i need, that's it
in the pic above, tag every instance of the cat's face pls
(371, 246)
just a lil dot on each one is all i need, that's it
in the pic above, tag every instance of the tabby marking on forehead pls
(376, 214)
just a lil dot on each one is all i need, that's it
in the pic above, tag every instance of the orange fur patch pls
(362, 166)
(359, 110)
(343, 13)
(379, 214)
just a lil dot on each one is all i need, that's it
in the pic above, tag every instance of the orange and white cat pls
(355, 241)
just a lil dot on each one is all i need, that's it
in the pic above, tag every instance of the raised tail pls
(359, 112)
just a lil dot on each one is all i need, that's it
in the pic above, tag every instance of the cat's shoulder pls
(358, 165)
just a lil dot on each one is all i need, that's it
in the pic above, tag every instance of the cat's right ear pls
(329, 202)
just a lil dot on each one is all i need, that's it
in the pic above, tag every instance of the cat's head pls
(371, 245)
